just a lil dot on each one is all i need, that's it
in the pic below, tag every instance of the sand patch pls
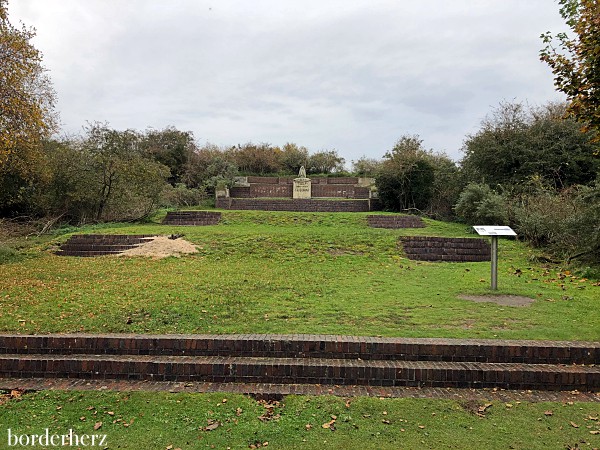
(503, 300)
(162, 247)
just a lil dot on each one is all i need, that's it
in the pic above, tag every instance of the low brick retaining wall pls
(88, 245)
(384, 221)
(298, 205)
(309, 346)
(196, 218)
(323, 360)
(428, 248)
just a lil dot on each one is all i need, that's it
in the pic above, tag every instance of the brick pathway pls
(274, 390)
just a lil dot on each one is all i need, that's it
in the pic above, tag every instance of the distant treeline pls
(531, 168)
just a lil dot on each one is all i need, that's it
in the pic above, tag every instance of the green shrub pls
(480, 205)
(8, 254)
(566, 222)
(180, 195)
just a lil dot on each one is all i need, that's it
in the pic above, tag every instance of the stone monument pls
(302, 185)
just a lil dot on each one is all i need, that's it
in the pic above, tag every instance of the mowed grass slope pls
(139, 420)
(280, 272)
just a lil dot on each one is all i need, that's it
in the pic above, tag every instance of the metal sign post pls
(494, 232)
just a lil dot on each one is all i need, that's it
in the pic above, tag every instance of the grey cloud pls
(347, 74)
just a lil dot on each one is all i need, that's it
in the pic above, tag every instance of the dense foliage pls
(26, 112)
(575, 61)
(414, 179)
(537, 170)
(516, 143)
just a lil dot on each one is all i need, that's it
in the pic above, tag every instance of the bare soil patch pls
(162, 247)
(503, 300)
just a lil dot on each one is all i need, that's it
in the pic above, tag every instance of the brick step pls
(111, 237)
(433, 248)
(190, 222)
(97, 247)
(376, 221)
(309, 346)
(197, 218)
(194, 214)
(88, 245)
(303, 370)
(85, 253)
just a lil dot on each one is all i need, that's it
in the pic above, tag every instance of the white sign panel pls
(494, 230)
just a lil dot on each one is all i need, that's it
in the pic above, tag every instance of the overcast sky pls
(350, 75)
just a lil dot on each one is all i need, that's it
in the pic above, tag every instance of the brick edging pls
(315, 346)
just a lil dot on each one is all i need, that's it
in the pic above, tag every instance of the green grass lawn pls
(140, 420)
(271, 272)
(280, 272)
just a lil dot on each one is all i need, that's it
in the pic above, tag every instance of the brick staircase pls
(383, 221)
(101, 244)
(428, 248)
(305, 359)
(196, 218)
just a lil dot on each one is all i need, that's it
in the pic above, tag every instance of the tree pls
(170, 147)
(26, 115)
(366, 167)
(293, 157)
(575, 61)
(516, 144)
(326, 161)
(405, 180)
(123, 184)
(258, 159)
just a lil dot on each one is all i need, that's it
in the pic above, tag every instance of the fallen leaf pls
(481, 409)
(97, 425)
(82, 418)
(110, 413)
(328, 425)
(387, 422)
(595, 432)
(308, 426)
(573, 424)
(421, 426)
(347, 403)
(212, 425)
(16, 393)
(548, 413)
(508, 405)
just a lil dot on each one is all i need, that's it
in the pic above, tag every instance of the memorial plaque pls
(302, 185)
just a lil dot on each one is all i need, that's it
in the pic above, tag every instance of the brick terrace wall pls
(240, 192)
(428, 248)
(263, 180)
(300, 205)
(196, 218)
(271, 190)
(382, 221)
(341, 180)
